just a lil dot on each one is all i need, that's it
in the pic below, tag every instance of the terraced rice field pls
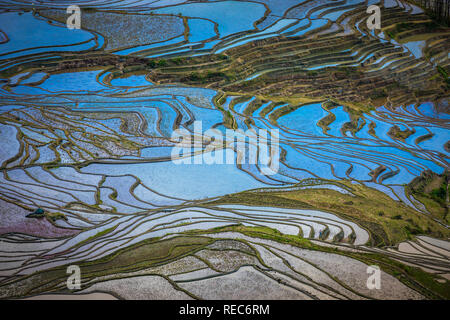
(88, 177)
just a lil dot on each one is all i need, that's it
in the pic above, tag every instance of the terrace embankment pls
(324, 63)
(388, 221)
(274, 261)
(332, 65)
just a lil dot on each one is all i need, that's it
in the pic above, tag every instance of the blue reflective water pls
(231, 16)
(26, 31)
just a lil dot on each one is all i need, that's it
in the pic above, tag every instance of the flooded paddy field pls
(224, 150)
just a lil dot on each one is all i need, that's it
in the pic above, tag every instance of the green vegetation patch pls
(431, 189)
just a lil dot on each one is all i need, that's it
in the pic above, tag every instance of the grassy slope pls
(388, 221)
